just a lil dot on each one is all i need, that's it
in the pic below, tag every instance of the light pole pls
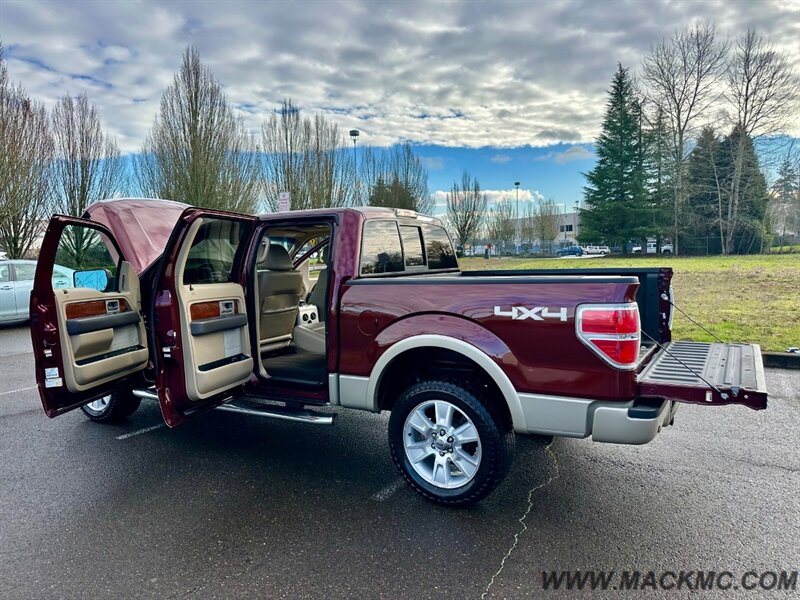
(575, 220)
(516, 218)
(354, 133)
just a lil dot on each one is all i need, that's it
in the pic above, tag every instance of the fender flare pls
(459, 346)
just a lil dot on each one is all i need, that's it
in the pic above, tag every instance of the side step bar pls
(271, 411)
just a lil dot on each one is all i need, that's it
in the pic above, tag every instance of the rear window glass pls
(438, 248)
(381, 251)
(412, 246)
(210, 258)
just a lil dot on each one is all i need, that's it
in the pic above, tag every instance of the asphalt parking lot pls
(230, 506)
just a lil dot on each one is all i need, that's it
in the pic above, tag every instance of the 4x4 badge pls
(537, 313)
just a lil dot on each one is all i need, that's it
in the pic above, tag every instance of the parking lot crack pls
(524, 527)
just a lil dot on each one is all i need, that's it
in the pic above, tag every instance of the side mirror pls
(96, 279)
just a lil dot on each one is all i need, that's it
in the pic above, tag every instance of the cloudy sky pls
(509, 90)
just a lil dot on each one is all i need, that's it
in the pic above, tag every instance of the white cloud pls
(566, 156)
(500, 159)
(459, 74)
(494, 196)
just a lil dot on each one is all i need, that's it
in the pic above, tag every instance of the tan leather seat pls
(279, 289)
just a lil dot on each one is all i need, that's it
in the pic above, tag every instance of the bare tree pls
(197, 150)
(763, 91)
(682, 76)
(501, 225)
(307, 157)
(88, 165)
(402, 171)
(5, 157)
(25, 158)
(466, 205)
(762, 87)
(541, 223)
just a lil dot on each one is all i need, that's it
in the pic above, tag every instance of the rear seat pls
(311, 338)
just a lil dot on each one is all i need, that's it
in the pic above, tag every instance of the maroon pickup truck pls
(279, 314)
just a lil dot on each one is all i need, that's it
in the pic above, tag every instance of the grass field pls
(740, 299)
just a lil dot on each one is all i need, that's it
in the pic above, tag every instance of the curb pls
(781, 360)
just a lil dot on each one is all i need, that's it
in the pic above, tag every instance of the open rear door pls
(88, 334)
(201, 323)
(701, 373)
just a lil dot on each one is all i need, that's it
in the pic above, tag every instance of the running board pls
(282, 413)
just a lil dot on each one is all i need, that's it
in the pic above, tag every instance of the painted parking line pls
(140, 431)
(27, 389)
(388, 491)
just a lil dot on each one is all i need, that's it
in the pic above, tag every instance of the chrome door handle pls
(6, 287)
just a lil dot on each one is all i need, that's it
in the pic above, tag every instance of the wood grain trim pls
(92, 308)
(208, 310)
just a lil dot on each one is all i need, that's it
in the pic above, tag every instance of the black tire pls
(666, 252)
(119, 407)
(494, 431)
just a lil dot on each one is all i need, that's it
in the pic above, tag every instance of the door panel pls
(87, 341)
(219, 341)
(201, 314)
(103, 338)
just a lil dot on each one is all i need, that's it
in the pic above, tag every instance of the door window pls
(89, 256)
(5, 274)
(25, 271)
(211, 257)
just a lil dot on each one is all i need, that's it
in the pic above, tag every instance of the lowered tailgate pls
(701, 373)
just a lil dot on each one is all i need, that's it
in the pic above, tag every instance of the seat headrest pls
(262, 253)
(278, 259)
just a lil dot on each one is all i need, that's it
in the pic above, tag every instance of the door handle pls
(5, 287)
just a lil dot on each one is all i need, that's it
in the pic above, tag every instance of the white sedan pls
(16, 282)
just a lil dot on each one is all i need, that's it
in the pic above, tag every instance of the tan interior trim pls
(208, 310)
(91, 308)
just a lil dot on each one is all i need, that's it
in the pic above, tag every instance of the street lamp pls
(516, 217)
(354, 133)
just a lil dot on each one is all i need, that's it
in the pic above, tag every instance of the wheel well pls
(421, 364)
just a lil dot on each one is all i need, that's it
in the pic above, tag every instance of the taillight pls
(611, 331)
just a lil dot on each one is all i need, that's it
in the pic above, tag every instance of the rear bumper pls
(632, 422)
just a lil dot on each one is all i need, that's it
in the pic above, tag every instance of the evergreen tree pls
(746, 228)
(786, 201)
(396, 195)
(724, 220)
(707, 190)
(659, 172)
(615, 199)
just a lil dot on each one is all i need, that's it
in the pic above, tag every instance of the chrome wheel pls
(98, 407)
(442, 444)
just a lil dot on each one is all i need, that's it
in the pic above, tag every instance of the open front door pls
(201, 322)
(87, 330)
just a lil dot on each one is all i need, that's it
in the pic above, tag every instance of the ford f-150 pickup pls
(280, 314)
